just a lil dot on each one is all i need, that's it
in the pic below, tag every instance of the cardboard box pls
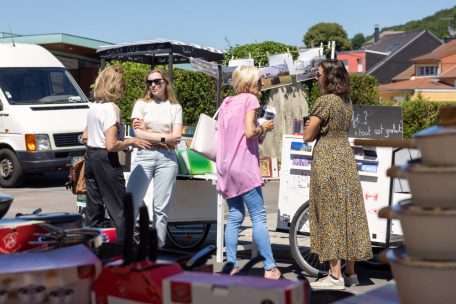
(15, 234)
(203, 288)
(57, 276)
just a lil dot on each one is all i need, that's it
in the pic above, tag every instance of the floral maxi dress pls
(337, 216)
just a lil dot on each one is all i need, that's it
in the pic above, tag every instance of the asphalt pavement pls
(48, 193)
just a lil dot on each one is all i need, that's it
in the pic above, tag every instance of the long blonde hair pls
(110, 84)
(169, 91)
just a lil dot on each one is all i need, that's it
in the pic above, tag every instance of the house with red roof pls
(431, 76)
(389, 53)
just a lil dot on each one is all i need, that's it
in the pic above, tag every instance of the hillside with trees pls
(437, 23)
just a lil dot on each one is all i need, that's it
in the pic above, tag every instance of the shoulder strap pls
(216, 113)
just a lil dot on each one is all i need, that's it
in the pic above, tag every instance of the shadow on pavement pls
(46, 180)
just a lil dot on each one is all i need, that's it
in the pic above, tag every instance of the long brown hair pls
(335, 78)
(169, 91)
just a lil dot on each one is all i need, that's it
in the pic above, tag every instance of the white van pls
(43, 113)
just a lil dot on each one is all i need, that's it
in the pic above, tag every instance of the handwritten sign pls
(379, 122)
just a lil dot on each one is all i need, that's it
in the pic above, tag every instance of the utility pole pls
(451, 31)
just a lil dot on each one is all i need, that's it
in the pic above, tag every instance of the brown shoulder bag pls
(78, 183)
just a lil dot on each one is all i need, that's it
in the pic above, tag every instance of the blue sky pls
(208, 22)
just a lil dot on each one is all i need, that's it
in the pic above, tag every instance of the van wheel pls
(11, 174)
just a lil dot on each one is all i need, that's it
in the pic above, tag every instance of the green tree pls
(363, 89)
(324, 32)
(196, 93)
(135, 75)
(357, 41)
(259, 51)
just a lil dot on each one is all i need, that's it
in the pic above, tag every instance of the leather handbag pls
(77, 178)
(204, 139)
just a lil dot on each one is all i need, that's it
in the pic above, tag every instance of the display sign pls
(379, 122)
(227, 73)
(205, 67)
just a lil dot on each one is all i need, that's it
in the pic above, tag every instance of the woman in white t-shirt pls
(105, 136)
(156, 117)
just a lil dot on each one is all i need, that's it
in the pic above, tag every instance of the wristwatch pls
(162, 140)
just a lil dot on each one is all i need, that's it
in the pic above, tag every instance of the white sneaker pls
(328, 283)
(350, 280)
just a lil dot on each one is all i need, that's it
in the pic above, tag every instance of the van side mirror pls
(1, 106)
(91, 96)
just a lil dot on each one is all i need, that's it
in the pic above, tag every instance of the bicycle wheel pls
(300, 244)
(375, 262)
(187, 236)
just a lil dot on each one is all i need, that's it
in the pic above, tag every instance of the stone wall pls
(291, 103)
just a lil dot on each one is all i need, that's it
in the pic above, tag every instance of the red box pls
(15, 235)
(139, 282)
(109, 235)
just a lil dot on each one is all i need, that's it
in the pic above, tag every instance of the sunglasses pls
(154, 81)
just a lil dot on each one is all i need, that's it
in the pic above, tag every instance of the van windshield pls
(39, 86)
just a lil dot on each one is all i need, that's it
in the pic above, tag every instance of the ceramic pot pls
(420, 281)
(430, 186)
(437, 145)
(428, 232)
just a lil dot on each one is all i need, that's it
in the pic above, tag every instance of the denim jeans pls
(161, 166)
(253, 199)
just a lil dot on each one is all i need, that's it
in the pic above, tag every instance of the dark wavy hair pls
(335, 78)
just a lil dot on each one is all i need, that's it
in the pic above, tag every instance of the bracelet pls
(262, 130)
(130, 146)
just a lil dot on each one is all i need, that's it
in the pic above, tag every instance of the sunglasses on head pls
(154, 81)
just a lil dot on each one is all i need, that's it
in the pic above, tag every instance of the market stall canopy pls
(158, 52)
(161, 52)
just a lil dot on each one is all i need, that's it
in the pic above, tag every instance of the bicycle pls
(180, 235)
(300, 242)
(305, 258)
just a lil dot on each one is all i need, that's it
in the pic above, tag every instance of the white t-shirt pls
(159, 116)
(100, 118)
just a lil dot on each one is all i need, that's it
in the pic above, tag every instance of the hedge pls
(420, 114)
(195, 91)
(363, 90)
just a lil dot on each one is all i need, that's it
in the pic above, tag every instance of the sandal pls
(234, 271)
(273, 274)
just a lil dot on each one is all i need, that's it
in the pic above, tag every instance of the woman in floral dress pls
(338, 222)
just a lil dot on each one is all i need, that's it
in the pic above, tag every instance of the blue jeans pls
(253, 199)
(161, 166)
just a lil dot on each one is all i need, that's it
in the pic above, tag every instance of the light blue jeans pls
(253, 199)
(161, 166)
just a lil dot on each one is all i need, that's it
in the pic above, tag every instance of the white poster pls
(280, 59)
(275, 76)
(307, 63)
(239, 62)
